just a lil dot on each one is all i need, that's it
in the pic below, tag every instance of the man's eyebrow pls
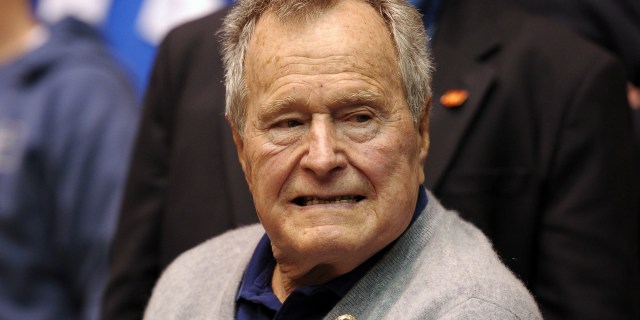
(277, 105)
(359, 97)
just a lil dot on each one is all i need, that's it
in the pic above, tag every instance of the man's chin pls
(329, 243)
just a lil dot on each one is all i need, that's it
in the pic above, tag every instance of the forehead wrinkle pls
(348, 65)
(372, 93)
(287, 65)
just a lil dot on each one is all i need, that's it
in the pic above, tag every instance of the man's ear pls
(423, 136)
(239, 142)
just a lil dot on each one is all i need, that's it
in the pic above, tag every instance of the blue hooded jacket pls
(67, 120)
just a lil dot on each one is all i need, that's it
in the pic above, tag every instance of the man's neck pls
(281, 287)
(284, 283)
(16, 22)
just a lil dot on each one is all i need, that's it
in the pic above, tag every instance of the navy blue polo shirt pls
(256, 300)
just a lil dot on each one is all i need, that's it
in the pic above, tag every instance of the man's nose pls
(323, 156)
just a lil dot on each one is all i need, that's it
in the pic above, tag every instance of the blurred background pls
(132, 28)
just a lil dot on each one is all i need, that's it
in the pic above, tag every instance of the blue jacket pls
(67, 118)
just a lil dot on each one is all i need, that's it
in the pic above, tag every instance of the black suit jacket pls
(533, 157)
(541, 156)
(185, 183)
(615, 25)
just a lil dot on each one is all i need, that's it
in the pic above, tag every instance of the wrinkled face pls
(330, 151)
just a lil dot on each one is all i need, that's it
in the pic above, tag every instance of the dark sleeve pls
(588, 245)
(614, 25)
(134, 252)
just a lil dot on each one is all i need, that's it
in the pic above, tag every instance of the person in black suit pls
(185, 183)
(614, 25)
(540, 155)
(532, 144)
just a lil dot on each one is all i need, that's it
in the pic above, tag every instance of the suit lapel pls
(464, 43)
(449, 125)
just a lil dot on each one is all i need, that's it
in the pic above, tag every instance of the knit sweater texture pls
(441, 268)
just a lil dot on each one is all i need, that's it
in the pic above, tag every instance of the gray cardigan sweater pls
(441, 268)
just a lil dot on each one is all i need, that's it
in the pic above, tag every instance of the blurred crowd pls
(115, 156)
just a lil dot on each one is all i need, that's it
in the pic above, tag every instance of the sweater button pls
(346, 317)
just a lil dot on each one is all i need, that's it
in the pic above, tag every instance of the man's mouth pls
(311, 201)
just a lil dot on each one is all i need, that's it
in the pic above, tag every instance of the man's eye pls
(288, 124)
(361, 118)
(292, 123)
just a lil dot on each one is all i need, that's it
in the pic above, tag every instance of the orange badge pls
(454, 98)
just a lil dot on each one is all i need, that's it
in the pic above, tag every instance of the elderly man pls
(328, 102)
